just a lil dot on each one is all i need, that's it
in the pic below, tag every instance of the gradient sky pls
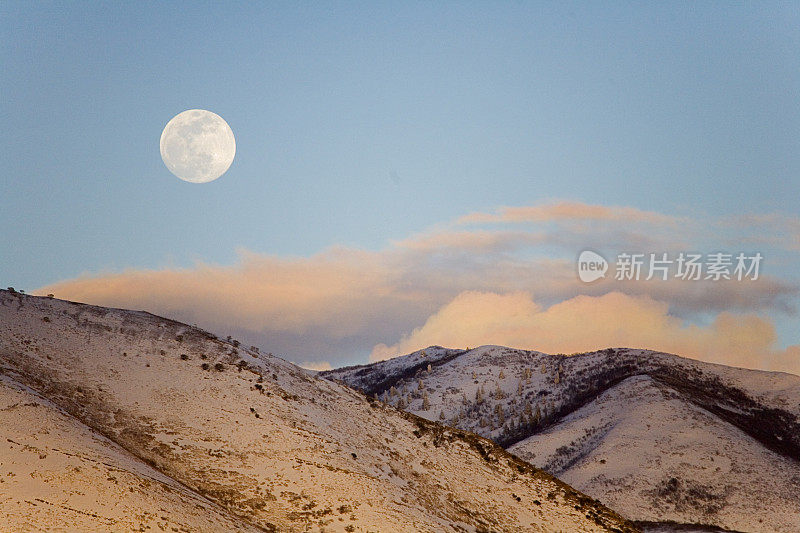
(360, 124)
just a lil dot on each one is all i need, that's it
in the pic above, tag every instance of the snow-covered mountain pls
(114, 420)
(663, 439)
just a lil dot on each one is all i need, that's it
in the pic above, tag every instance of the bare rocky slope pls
(672, 443)
(114, 420)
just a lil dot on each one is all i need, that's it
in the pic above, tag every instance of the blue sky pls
(360, 124)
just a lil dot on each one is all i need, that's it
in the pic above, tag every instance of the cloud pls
(319, 366)
(297, 307)
(574, 211)
(586, 323)
(471, 241)
(338, 304)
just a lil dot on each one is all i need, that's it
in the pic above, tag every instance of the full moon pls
(197, 146)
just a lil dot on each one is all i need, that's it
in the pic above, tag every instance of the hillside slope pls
(55, 471)
(270, 444)
(659, 437)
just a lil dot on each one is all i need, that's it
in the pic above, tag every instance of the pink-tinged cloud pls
(574, 211)
(337, 304)
(585, 323)
(471, 241)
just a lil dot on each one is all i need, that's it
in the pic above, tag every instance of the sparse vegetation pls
(222, 473)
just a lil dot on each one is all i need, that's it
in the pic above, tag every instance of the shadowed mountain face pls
(117, 420)
(665, 440)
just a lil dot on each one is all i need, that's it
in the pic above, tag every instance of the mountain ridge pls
(268, 442)
(524, 399)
